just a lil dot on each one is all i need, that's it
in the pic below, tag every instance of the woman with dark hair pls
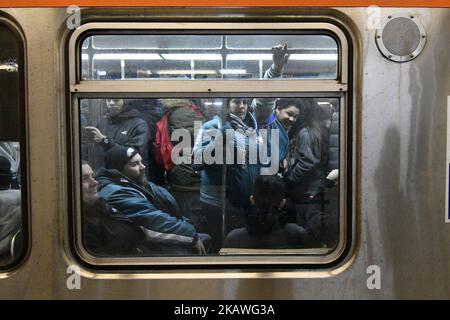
(307, 160)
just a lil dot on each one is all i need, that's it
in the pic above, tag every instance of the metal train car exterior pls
(393, 93)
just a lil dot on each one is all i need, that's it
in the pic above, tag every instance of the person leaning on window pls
(124, 185)
(105, 230)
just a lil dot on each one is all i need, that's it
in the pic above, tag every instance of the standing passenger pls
(241, 173)
(211, 187)
(307, 167)
(233, 139)
(122, 126)
(276, 114)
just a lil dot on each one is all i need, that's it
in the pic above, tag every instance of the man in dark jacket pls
(105, 230)
(124, 186)
(123, 127)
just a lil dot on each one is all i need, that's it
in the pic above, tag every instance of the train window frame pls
(337, 88)
(23, 139)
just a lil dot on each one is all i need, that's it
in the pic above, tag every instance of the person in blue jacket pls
(124, 186)
(105, 230)
(231, 141)
(276, 113)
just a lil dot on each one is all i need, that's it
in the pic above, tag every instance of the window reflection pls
(196, 176)
(190, 57)
(11, 95)
(10, 203)
(202, 192)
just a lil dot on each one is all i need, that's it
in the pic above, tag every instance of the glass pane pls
(242, 175)
(11, 92)
(156, 42)
(190, 57)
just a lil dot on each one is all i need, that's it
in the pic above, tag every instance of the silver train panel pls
(401, 143)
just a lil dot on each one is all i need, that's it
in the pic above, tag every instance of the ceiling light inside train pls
(127, 56)
(215, 103)
(192, 56)
(187, 72)
(9, 67)
(299, 56)
(233, 71)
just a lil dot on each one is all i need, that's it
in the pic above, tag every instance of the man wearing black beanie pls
(124, 186)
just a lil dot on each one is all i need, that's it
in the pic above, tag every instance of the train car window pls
(13, 229)
(205, 56)
(167, 172)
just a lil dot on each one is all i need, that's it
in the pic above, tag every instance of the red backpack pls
(162, 146)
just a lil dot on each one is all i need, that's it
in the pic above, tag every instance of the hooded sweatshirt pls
(126, 129)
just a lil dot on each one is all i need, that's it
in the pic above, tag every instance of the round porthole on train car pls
(401, 37)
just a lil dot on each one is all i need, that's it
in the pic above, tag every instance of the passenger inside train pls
(105, 230)
(124, 185)
(266, 225)
(221, 173)
(10, 214)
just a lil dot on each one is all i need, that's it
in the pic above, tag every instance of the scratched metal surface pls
(402, 176)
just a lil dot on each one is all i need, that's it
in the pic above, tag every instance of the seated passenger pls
(124, 185)
(10, 210)
(105, 230)
(122, 126)
(265, 228)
